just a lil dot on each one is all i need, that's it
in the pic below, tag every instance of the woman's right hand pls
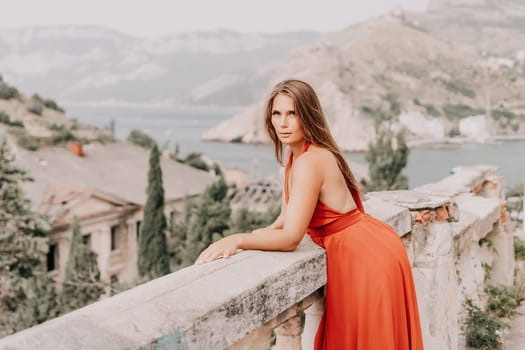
(223, 248)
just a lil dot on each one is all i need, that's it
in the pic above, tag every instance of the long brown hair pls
(315, 128)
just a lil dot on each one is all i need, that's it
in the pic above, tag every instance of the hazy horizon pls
(165, 17)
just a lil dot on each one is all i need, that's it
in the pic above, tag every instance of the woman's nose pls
(283, 121)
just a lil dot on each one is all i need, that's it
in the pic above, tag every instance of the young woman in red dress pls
(370, 296)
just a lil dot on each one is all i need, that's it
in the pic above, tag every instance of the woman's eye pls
(275, 113)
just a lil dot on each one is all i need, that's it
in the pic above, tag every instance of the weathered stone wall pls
(456, 239)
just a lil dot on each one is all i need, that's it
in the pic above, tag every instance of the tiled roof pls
(119, 169)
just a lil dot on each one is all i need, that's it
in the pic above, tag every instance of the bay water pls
(184, 127)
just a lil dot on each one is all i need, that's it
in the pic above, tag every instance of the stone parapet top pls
(464, 179)
(232, 296)
(412, 200)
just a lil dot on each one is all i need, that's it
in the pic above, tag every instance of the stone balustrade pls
(456, 239)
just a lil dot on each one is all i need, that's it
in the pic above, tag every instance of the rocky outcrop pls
(354, 69)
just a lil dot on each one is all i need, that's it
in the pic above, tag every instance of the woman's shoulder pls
(316, 156)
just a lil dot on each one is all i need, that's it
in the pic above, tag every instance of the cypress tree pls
(23, 247)
(388, 155)
(153, 258)
(82, 284)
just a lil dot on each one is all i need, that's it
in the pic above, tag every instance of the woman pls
(370, 295)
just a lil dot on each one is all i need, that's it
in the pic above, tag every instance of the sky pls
(150, 18)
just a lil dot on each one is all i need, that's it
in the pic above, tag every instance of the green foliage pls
(458, 111)
(515, 191)
(153, 258)
(5, 119)
(459, 87)
(454, 132)
(82, 284)
(26, 141)
(8, 92)
(389, 154)
(47, 103)
(141, 139)
(487, 269)
(245, 220)
(207, 220)
(35, 107)
(105, 138)
(519, 249)
(195, 160)
(23, 247)
(62, 136)
(502, 300)
(429, 109)
(483, 329)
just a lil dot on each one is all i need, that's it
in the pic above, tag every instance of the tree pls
(82, 284)
(388, 156)
(207, 221)
(153, 258)
(141, 139)
(245, 220)
(23, 247)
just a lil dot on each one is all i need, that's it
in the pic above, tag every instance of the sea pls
(184, 127)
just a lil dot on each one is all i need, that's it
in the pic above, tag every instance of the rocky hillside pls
(493, 27)
(33, 122)
(437, 83)
(87, 64)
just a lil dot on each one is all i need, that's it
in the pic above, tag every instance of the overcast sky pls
(158, 17)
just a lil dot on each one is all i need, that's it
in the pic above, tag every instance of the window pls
(52, 257)
(137, 225)
(87, 239)
(114, 232)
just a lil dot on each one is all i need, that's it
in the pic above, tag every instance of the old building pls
(104, 186)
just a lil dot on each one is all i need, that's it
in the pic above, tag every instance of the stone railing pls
(457, 243)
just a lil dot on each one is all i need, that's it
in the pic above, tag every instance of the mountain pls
(437, 83)
(87, 64)
(492, 27)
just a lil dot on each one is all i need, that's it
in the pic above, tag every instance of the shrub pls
(62, 136)
(141, 139)
(194, 159)
(483, 329)
(28, 142)
(7, 92)
(519, 249)
(105, 138)
(48, 103)
(502, 300)
(35, 107)
(460, 111)
(454, 132)
(4, 118)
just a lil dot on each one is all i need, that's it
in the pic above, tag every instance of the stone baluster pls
(288, 334)
(312, 319)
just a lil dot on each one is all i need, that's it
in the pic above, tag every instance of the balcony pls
(261, 300)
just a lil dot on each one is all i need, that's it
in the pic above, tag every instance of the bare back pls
(334, 192)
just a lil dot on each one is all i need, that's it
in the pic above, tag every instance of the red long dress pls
(370, 295)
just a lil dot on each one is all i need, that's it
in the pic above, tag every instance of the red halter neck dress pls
(370, 295)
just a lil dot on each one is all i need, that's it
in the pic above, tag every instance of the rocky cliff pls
(354, 69)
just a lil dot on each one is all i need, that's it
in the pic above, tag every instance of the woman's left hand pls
(223, 248)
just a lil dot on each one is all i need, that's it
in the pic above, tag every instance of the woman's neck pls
(297, 148)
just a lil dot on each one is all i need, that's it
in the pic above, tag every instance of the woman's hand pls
(223, 248)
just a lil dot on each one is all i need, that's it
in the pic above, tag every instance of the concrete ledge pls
(201, 307)
(397, 217)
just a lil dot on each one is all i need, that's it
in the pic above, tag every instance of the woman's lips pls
(285, 134)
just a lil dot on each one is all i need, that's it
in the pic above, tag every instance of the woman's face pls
(285, 121)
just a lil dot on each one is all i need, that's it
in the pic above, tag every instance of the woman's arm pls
(303, 200)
